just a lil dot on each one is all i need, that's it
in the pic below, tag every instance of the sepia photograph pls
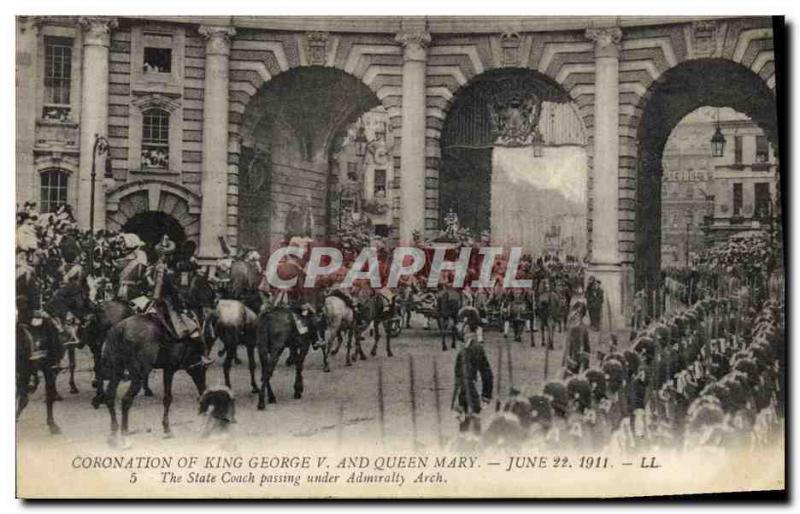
(419, 257)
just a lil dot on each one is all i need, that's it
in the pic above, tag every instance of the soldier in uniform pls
(577, 349)
(167, 302)
(135, 260)
(297, 298)
(594, 302)
(471, 362)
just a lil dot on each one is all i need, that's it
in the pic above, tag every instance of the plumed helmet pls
(720, 392)
(762, 355)
(704, 413)
(646, 347)
(579, 391)
(597, 383)
(737, 391)
(472, 316)
(632, 361)
(557, 393)
(519, 406)
(748, 367)
(615, 375)
(541, 411)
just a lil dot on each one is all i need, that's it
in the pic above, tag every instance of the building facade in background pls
(706, 198)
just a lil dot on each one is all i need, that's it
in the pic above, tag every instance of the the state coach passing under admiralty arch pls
(222, 126)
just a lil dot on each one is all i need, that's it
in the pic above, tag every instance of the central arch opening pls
(514, 164)
(292, 125)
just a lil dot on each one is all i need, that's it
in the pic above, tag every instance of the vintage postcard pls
(399, 257)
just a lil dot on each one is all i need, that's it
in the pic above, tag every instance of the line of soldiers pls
(709, 378)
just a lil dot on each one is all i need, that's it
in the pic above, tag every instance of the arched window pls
(155, 139)
(53, 189)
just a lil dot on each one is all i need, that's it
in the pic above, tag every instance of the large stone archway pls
(514, 148)
(269, 72)
(676, 93)
(287, 133)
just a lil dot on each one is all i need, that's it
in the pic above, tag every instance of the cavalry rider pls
(134, 260)
(167, 302)
(297, 297)
(471, 362)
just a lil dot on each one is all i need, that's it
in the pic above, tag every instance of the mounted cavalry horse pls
(549, 311)
(39, 344)
(448, 302)
(137, 345)
(374, 309)
(517, 308)
(340, 320)
(143, 342)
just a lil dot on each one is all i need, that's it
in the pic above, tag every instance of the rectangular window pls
(53, 190)
(57, 77)
(155, 139)
(737, 199)
(382, 230)
(762, 149)
(157, 60)
(761, 200)
(737, 149)
(380, 184)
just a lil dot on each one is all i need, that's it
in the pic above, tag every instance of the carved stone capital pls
(218, 39)
(415, 43)
(606, 41)
(97, 29)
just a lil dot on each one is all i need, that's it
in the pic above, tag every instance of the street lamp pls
(361, 142)
(100, 147)
(718, 141)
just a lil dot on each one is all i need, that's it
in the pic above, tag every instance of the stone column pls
(94, 116)
(605, 263)
(26, 61)
(214, 213)
(412, 151)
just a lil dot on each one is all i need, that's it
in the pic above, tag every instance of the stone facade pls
(610, 68)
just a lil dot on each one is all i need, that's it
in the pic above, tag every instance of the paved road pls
(340, 407)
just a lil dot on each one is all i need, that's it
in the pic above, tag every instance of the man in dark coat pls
(577, 349)
(471, 362)
(594, 301)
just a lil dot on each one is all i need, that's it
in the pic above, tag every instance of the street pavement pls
(340, 408)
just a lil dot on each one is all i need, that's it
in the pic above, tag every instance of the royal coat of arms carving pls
(515, 117)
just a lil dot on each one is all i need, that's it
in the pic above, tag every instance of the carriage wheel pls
(395, 326)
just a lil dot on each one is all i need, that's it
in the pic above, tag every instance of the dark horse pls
(518, 313)
(549, 311)
(448, 303)
(235, 324)
(275, 331)
(43, 333)
(375, 310)
(137, 345)
(95, 328)
(71, 298)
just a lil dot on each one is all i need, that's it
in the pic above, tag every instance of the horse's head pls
(201, 292)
